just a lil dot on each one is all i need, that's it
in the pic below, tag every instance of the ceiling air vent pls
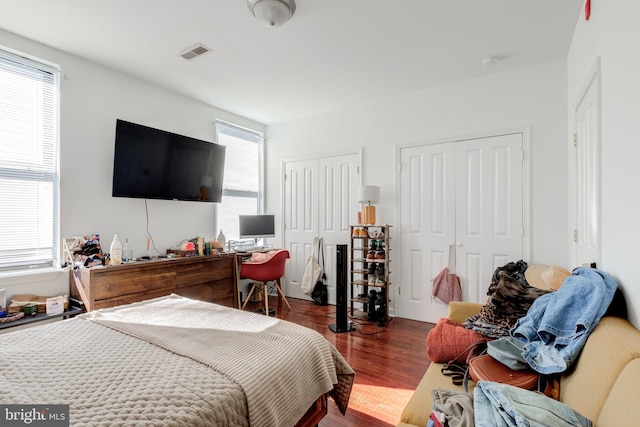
(195, 51)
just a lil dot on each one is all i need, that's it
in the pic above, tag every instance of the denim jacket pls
(502, 405)
(557, 324)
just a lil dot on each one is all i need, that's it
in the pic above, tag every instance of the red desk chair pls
(263, 271)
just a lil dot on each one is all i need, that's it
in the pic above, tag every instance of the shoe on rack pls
(372, 269)
(381, 278)
(379, 255)
(374, 245)
(371, 255)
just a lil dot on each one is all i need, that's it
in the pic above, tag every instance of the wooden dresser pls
(207, 278)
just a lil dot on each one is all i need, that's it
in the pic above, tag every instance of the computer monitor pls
(257, 226)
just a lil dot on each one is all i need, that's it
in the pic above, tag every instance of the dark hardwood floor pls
(389, 361)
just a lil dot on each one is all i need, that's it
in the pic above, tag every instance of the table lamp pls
(369, 194)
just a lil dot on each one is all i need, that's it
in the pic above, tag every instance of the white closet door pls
(339, 182)
(427, 227)
(320, 200)
(468, 194)
(489, 209)
(301, 220)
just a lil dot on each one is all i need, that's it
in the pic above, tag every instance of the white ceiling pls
(331, 54)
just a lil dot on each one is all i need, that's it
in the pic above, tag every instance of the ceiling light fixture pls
(272, 13)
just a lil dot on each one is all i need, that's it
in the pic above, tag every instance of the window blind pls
(29, 182)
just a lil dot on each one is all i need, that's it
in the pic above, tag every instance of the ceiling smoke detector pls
(195, 51)
(490, 60)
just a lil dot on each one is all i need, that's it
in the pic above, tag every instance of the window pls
(242, 183)
(29, 184)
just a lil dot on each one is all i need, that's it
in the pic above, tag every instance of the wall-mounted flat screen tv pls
(154, 164)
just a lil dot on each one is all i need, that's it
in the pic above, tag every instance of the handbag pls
(486, 368)
(312, 271)
(508, 351)
(320, 293)
(446, 285)
(458, 368)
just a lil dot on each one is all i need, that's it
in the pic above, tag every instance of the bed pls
(174, 361)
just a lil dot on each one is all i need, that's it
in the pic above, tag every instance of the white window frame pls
(30, 226)
(251, 136)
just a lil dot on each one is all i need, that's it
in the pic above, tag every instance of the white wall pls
(92, 98)
(534, 96)
(612, 33)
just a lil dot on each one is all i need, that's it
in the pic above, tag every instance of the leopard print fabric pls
(510, 297)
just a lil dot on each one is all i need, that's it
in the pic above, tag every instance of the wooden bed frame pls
(316, 412)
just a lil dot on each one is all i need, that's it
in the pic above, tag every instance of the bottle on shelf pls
(116, 251)
(127, 251)
(200, 245)
(3, 302)
(221, 240)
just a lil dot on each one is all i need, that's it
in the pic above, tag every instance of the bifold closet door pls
(320, 200)
(462, 193)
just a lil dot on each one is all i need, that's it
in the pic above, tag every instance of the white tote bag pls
(312, 271)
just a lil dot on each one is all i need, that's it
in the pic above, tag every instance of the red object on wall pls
(587, 10)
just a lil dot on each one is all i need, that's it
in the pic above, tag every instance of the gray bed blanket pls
(281, 367)
(112, 379)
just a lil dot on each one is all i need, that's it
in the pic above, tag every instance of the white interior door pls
(320, 200)
(468, 194)
(489, 210)
(339, 182)
(587, 167)
(301, 220)
(427, 226)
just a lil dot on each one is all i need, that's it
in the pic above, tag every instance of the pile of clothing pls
(513, 289)
(547, 314)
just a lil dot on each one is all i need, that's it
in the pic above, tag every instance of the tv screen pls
(257, 226)
(154, 164)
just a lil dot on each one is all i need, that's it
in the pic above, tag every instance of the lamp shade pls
(272, 13)
(369, 194)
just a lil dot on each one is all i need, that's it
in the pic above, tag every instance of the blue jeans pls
(502, 405)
